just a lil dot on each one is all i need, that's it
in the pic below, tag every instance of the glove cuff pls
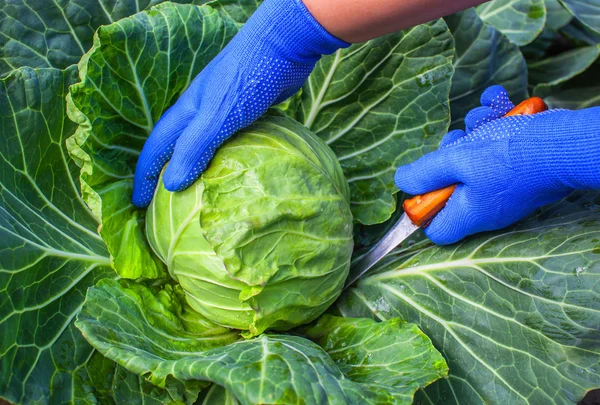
(290, 28)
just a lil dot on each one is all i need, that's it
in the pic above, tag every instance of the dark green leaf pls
(580, 33)
(557, 15)
(484, 57)
(586, 11)
(379, 105)
(542, 45)
(560, 68)
(583, 91)
(50, 251)
(41, 33)
(514, 312)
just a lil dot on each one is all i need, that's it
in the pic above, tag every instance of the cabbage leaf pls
(582, 91)
(274, 369)
(557, 69)
(514, 312)
(379, 105)
(390, 354)
(50, 251)
(557, 16)
(128, 79)
(520, 20)
(57, 34)
(484, 57)
(586, 11)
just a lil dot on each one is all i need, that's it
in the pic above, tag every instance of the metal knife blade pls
(398, 233)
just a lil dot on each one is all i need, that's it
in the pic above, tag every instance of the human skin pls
(361, 20)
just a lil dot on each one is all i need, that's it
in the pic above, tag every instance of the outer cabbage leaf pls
(520, 20)
(165, 307)
(583, 91)
(560, 68)
(379, 105)
(273, 369)
(113, 384)
(237, 10)
(514, 312)
(156, 312)
(484, 57)
(217, 395)
(586, 11)
(543, 45)
(50, 251)
(392, 354)
(556, 15)
(135, 71)
(580, 33)
(57, 34)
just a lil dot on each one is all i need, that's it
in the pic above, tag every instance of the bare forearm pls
(361, 20)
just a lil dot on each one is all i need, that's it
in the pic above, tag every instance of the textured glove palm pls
(265, 63)
(505, 168)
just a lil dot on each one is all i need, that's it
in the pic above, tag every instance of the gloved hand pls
(265, 63)
(505, 168)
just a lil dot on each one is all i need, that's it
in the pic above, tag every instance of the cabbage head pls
(263, 239)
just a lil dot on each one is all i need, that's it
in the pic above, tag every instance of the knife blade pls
(420, 210)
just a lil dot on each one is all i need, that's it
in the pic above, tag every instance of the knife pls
(420, 210)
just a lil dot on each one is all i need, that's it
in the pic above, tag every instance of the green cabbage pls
(264, 238)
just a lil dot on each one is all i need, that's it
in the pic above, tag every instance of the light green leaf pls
(557, 15)
(484, 57)
(128, 79)
(156, 313)
(57, 34)
(237, 10)
(520, 20)
(113, 384)
(379, 105)
(273, 369)
(50, 251)
(217, 395)
(390, 354)
(562, 67)
(583, 91)
(514, 312)
(586, 11)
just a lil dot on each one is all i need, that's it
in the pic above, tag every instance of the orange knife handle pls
(422, 208)
(530, 106)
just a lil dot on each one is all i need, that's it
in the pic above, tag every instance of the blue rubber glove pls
(506, 168)
(265, 63)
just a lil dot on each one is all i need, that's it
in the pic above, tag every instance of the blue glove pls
(506, 168)
(265, 63)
